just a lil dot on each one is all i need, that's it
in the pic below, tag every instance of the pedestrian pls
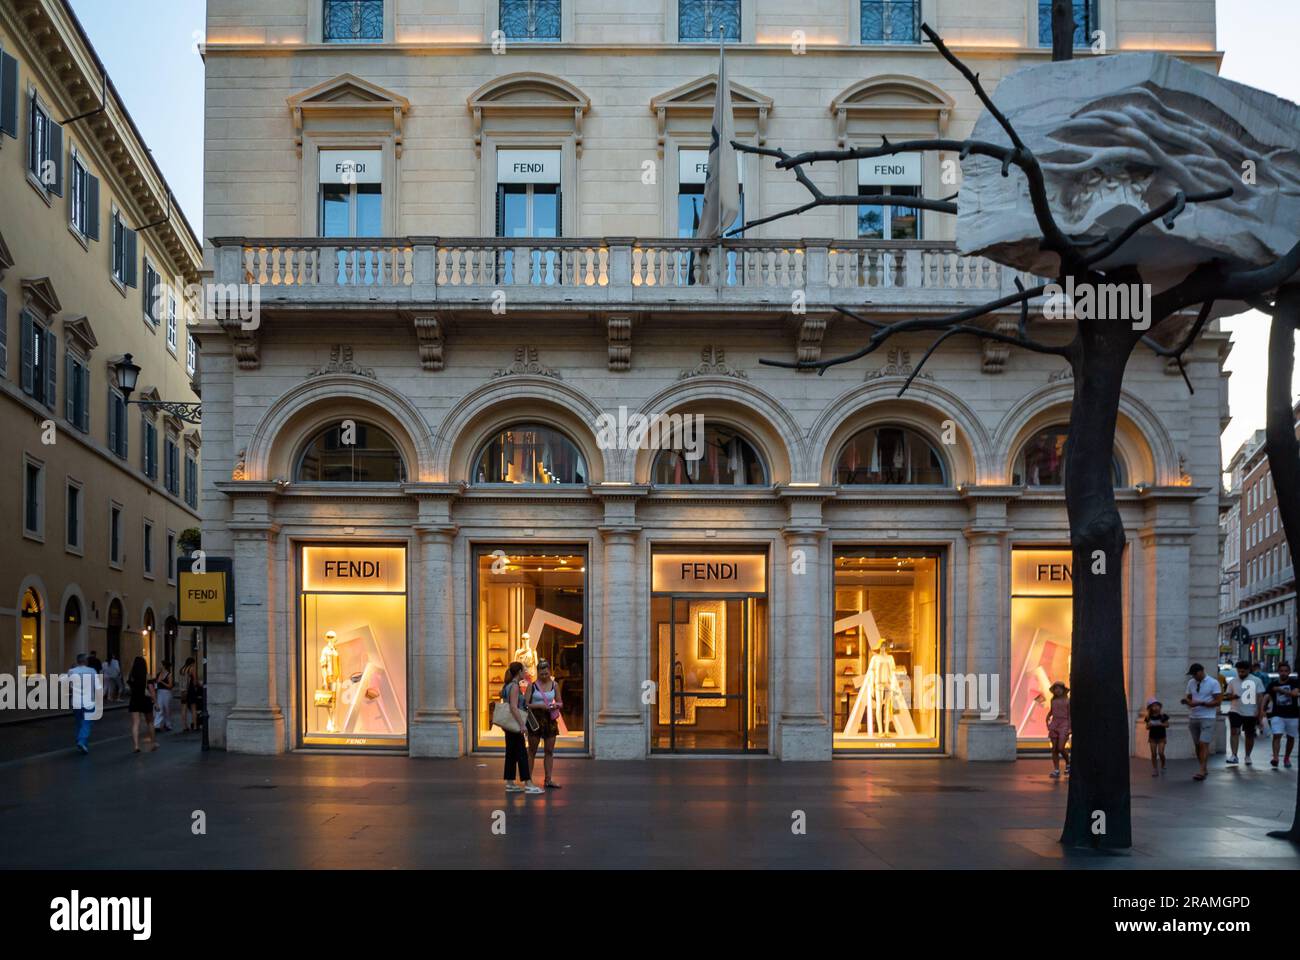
(1246, 694)
(1257, 669)
(1157, 724)
(190, 695)
(1282, 699)
(163, 682)
(113, 679)
(140, 705)
(1203, 698)
(516, 750)
(1058, 727)
(83, 682)
(94, 662)
(544, 703)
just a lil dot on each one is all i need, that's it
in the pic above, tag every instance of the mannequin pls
(880, 677)
(329, 675)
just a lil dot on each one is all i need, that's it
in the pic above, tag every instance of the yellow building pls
(94, 260)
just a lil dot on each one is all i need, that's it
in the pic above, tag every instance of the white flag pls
(722, 186)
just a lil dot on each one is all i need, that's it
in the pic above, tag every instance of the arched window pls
(351, 451)
(1041, 462)
(719, 456)
(887, 455)
(529, 453)
(31, 632)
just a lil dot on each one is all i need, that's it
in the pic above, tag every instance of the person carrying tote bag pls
(510, 715)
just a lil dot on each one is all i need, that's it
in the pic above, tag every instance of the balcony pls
(610, 271)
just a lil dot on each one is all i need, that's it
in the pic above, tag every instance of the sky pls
(150, 50)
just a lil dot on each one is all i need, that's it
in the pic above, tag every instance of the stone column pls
(436, 726)
(980, 735)
(620, 725)
(256, 723)
(805, 732)
(1161, 645)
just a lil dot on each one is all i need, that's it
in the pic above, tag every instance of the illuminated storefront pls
(709, 652)
(531, 606)
(353, 644)
(1041, 633)
(886, 652)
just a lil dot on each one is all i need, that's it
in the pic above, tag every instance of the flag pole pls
(722, 52)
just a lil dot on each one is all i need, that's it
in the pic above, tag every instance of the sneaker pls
(83, 748)
(1232, 759)
(1249, 762)
(514, 788)
(1056, 774)
(1287, 763)
(534, 789)
(1155, 773)
(1273, 762)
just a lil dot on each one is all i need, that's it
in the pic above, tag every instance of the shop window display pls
(1041, 462)
(531, 606)
(728, 459)
(351, 451)
(886, 651)
(889, 455)
(354, 643)
(1041, 637)
(529, 454)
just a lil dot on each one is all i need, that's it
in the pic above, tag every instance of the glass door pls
(710, 675)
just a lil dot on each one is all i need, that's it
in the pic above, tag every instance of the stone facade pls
(443, 342)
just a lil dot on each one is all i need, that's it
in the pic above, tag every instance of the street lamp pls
(128, 376)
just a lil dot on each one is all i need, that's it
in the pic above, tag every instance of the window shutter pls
(112, 421)
(144, 444)
(33, 161)
(83, 415)
(92, 207)
(51, 369)
(559, 211)
(55, 140)
(9, 95)
(131, 237)
(69, 390)
(28, 331)
(4, 332)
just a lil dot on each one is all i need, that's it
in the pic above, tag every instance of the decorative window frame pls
(316, 26)
(748, 25)
(76, 549)
(372, 118)
(169, 550)
(147, 553)
(116, 563)
(900, 107)
(528, 111)
(492, 23)
(38, 533)
(929, 14)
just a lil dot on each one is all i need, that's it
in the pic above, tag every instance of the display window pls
(709, 652)
(531, 606)
(353, 646)
(1042, 591)
(886, 678)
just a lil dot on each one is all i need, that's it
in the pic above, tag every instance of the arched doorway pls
(72, 624)
(170, 629)
(30, 654)
(113, 629)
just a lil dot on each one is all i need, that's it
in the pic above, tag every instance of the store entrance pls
(708, 652)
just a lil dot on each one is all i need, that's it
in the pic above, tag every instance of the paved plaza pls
(117, 809)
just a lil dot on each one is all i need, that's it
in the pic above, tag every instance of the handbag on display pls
(503, 717)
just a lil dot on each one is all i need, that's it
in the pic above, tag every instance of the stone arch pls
(924, 408)
(514, 399)
(300, 412)
(739, 404)
(36, 585)
(79, 641)
(1142, 443)
(892, 97)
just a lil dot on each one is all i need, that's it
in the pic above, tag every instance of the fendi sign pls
(709, 573)
(354, 569)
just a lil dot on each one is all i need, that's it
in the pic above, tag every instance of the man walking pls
(1246, 694)
(83, 679)
(1203, 697)
(112, 679)
(1283, 702)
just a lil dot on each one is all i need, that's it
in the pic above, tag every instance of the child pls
(1058, 727)
(1157, 722)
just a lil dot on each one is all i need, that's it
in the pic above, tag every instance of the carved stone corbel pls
(808, 346)
(247, 348)
(619, 335)
(995, 354)
(431, 334)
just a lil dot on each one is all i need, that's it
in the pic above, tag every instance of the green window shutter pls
(92, 207)
(69, 390)
(27, 329)
(4, 332)
(51, 369)
(9, 95)
(54, 139)
(112, 420)
(83, 415)
(132, 255)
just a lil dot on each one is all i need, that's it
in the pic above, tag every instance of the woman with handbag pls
(511, 716)
(544, 705)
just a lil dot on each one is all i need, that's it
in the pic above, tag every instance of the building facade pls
(1230, 637)
(1266, 607)
(99, 491)
(467, 229)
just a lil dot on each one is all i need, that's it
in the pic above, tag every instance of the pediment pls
(893, 96)
(77, 329)
(149, 393)
(535, 90)
(696, 99)
(39, 292)
(347, 90)
(6, 258)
